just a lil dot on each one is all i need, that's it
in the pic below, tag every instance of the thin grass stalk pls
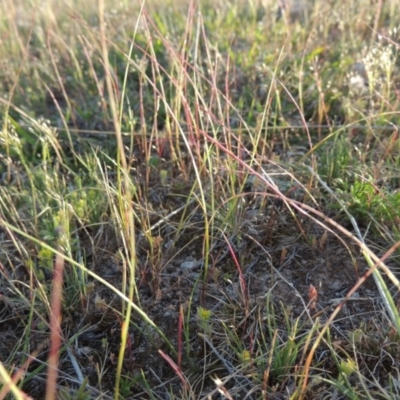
(269, 364)
(125, 195)
(30, 318)
(9, 385)
(241, 277)
(62, 86)
(55, 328)
(181, 322)
(178, 371)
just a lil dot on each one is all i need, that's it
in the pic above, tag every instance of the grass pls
(199, 200)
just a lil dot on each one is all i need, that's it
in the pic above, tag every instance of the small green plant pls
(368, 202)
(204, 319)
(83, 393)
(126, 387)
(346, 369)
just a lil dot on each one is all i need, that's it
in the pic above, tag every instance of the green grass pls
(199, 200)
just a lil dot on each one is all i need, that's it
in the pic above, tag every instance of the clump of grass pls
(174, 186)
